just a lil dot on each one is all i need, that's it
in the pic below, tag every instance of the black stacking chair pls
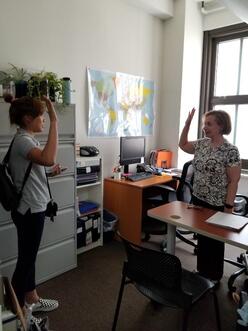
(240, 208)
(160, 277)
(165, 194)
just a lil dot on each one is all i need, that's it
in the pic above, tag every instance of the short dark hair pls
(222, 118)
(24, 106)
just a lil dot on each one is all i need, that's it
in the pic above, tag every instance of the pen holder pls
(117, 175)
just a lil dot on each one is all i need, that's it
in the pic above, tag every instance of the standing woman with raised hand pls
(216, 167)
(28, 114)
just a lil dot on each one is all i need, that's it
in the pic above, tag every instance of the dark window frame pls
(207, 98)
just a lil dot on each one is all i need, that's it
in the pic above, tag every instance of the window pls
(225, 79)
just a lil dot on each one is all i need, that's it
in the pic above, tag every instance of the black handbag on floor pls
(9, 195)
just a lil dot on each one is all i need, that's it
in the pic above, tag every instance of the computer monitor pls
(132, 149)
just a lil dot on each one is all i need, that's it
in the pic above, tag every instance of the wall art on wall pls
(119, 104)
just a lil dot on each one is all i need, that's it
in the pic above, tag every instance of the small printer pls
(88, 151)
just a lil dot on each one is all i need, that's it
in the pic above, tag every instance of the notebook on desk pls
(228, 221)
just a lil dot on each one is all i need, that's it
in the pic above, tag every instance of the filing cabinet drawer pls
(8, 242)
(66, 157)
(63, 191)
(55, 260)
(66, 125)
(63, 227)
(51, 261)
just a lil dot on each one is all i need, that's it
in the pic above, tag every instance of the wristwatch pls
(228, 206)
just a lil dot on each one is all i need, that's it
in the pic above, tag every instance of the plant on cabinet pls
(17, 76)
(45, 83)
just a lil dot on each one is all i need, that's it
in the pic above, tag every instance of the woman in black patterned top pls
(216, 166)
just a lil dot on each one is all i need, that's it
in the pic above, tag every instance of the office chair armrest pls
(183, 181)
(165, 187)
(189, 186)
(176, 177)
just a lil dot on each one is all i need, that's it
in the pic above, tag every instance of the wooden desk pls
(125, 199)
(176, 214)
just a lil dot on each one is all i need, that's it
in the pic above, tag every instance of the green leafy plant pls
(5, 78)
(14, 74)
(19, 74)
(43, 82)
(35, 84)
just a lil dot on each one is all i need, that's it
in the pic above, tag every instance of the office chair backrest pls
(157, 272)
(185, 186)
(143, 262)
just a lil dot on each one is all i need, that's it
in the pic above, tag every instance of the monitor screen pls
(132, 149)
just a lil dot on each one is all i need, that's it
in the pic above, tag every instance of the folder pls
(228, 221)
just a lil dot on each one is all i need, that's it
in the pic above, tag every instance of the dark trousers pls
(210, 253)
(29, 232)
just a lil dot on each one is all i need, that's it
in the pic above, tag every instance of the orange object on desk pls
(163, 159)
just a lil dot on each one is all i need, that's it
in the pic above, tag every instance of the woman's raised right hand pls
(50, 108)
(190, 117)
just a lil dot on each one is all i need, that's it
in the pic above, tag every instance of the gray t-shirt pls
(35, 194)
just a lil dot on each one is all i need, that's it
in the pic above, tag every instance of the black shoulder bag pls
(9, 195)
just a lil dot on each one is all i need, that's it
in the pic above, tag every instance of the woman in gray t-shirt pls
(28, 114)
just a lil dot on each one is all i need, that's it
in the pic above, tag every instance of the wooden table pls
(126, 199)
(177, 213)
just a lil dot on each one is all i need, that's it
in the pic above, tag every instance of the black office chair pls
(165, 194)
(240, 208)
(160, 277)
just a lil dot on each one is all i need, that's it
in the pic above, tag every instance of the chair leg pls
(118, 305)
(187, 241)
(185, 319)
(217, 310)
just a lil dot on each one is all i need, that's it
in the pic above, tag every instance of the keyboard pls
(139, 176)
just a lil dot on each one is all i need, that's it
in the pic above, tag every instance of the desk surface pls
(147, 182)
(177, 213)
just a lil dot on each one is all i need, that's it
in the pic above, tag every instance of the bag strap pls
(48, 186)
(6, 158)
(27, 173)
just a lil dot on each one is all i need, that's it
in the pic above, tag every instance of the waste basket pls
(110, 221)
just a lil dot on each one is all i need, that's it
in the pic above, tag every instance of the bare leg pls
(31, 297)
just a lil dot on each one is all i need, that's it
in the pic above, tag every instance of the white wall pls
(181, 75)
(160, 8)
(172, 80)
(219, 19)
(191, 78)
(67, 36)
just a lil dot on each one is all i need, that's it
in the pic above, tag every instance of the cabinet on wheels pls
(89, 203)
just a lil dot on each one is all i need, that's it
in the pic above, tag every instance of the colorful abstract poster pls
(119, 104)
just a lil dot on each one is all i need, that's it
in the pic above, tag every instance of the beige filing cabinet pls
(57, 252)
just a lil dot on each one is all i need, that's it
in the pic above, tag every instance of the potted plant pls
(45, 83)
(35, 87)
(17, 76)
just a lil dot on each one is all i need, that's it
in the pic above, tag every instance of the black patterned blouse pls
(209, 164)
